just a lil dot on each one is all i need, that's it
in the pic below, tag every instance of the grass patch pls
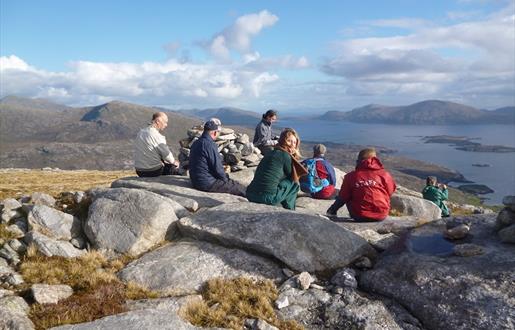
(456, 211)
(97, 290)
(15, 183)
(82, 274)
(5, 234)
(395, 213)
(227, 303)
(105, 299)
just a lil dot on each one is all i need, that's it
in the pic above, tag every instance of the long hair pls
(286, 133)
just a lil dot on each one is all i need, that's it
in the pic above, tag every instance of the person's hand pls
(442, 186)
(176, 163)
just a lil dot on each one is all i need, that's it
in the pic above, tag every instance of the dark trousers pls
(167, 169)
(230, 187)
(338, 203)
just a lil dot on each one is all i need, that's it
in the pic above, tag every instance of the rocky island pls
(466, 143)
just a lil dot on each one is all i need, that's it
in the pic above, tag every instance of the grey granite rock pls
(448, 291)
(129, 220)
(301, 241)
(53, 223)
(182, 267)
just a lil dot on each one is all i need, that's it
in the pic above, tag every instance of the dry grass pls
(105, 299)
(455, 211)
(98, 292)
(82, 274)
(395, 213)
(15, 183)
(227, 303)
(5, 234)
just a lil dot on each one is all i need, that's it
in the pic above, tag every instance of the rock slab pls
(304, 242)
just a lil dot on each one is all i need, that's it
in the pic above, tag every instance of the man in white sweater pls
(152, 157)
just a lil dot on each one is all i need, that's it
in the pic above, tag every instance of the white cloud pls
(177, 82)
(430, 61)
(238, 36)
(171, 82)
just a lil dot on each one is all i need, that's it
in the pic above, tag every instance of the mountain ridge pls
(429, 112)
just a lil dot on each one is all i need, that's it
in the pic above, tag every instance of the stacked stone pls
(505, 224)
(236, 149)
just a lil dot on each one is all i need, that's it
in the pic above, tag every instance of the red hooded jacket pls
(367, 190)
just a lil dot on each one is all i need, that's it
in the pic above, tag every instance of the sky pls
(293, 56)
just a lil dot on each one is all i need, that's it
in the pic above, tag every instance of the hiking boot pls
(330, 213)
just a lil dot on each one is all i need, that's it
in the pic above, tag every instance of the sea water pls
(406, 140)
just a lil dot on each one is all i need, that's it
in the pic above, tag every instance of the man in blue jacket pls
(206, 166)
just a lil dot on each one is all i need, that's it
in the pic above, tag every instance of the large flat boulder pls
(396, 225)
(416, 207)
(137, 320)
(183, 267)
(179, 189)
(319, 206)
(304, 242)
(128, 220)
(445, 290)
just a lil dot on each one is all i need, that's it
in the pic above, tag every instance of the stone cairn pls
(236, 149)
(505, 224)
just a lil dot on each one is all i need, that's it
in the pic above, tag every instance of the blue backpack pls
(311, 183)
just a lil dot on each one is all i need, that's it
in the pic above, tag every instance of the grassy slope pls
(15, 183)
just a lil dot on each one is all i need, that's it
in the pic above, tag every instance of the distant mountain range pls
(432, 112)
(38, 133)
(228, 115)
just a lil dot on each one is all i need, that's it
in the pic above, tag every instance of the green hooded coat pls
(437, 196)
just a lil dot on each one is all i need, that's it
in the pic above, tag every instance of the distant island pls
(466, 144)
(481, 165)
(430, 112)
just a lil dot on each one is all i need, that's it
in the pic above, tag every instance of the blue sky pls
(290, 55)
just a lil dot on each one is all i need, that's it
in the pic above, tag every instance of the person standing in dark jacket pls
(206, 166)
(366, 190)
(263, 138)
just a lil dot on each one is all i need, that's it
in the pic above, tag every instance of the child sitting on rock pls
(436, 193)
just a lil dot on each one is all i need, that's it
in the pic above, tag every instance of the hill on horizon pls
(97, 137)
(228, 115)
(430, 112)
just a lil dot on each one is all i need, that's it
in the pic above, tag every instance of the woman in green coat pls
(276, 180)
(436, 193)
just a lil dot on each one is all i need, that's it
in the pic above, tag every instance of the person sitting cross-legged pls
(366, 190)
(206, 166)
(321, 179)
(276, 181)
(152, 157)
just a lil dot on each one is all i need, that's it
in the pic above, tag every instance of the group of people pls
(280, 174)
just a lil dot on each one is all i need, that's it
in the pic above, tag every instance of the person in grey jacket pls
(152, 157)
(263, 138)
(206, 166)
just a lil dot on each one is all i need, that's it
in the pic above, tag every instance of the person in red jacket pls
(366, 190)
